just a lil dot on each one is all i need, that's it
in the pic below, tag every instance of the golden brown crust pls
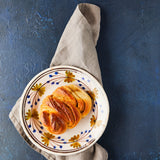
(58, 125)
(45, 118)
(64, 94)
(84, 96)
(52, 116)
(80, 102)
(64, 108)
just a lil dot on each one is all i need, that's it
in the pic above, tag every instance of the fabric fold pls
(77, 44)
(76, 48)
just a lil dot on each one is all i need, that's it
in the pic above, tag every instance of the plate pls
(74, 140)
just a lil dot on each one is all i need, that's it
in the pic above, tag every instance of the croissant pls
(64, 108)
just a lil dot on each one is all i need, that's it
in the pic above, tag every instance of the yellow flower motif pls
(98, 123)
(74, 138)
(69, 77)
(32, 114)
(46, 137)
(75, 143)
(93, 94)
(92, 120)
(39, 88)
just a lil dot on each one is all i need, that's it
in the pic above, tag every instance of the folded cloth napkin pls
(76, 48)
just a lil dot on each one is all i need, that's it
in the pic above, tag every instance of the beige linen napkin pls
(76, 48)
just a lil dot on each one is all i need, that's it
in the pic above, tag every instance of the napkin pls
(76, 48)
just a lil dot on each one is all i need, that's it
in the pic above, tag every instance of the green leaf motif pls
(39, 88)
(32, 114)
(46, 137)
(69, 77)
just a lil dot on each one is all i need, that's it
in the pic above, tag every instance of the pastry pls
(64, 108)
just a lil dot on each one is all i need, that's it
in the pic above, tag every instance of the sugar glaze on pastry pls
(64, 108)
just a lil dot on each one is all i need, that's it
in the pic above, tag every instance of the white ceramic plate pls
(88, 130)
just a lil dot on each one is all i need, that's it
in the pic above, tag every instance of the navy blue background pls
(129, 56)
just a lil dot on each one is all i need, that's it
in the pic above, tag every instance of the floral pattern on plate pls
(73, 140)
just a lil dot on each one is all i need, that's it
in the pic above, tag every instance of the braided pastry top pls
(64, 108)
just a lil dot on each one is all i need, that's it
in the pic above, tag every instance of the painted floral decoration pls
(92, 121)
(31, 114)
(39, 88)
(46, 137)
(69, 77)
(75, 143)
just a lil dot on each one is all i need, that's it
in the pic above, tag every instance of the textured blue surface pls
(129, 55)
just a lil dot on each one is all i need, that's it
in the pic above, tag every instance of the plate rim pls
(21, 117)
